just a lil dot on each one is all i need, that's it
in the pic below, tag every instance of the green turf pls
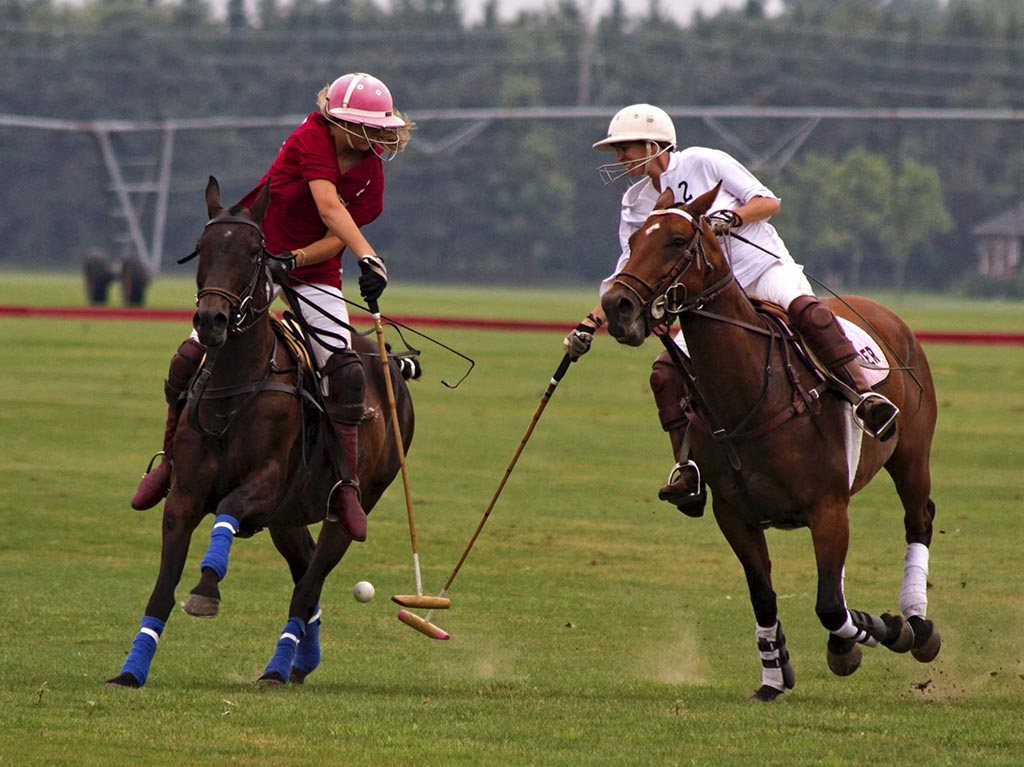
(591, 624)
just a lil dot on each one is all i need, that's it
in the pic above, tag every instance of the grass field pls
(591, 625)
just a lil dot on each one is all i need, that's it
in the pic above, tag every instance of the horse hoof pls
(843, 661)
(271, 681)
(297, 676)
(766, 694)
(124, 680)
(927, 641)
(200, 606)
(901, 633)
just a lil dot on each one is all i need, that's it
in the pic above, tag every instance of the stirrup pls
(690, 504)
(154, 485)
(887, 429)
(157, 454)
(354, 523)
(329, 517)
(677, 471)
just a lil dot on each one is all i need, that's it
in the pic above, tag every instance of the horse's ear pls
(703, 204)
(213, 204)
(259, 207)
(665, 200)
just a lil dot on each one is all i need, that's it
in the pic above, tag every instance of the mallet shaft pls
(555, 379)
(399, 447)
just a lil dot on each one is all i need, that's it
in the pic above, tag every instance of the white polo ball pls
(363, 591)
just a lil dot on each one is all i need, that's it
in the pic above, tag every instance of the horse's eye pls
(678, 242)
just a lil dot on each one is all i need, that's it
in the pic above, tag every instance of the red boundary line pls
(178, 315)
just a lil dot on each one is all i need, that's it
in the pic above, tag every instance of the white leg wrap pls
(914, 594)
(849, 631)
(771, 670)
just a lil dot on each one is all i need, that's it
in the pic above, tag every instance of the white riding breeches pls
(324, 310)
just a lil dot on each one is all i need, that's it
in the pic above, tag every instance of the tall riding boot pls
(685, 489)
(821, 330)
(347, 380)
(157, 481)
(345, 504)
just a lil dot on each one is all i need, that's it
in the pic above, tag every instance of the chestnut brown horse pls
(776, 446)
(253, 449)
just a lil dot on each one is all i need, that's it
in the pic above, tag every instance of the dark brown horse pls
(773, 452)
(251, 447)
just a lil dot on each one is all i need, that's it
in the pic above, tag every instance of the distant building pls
(1000, 243)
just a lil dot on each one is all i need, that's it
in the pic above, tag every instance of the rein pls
(867, 323)
(658, 304)
(664, 305)
(245, 315)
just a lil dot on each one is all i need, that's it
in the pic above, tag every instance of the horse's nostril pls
(220, 321)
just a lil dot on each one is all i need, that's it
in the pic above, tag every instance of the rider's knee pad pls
(346, 386)
(184, 365)
(809, 311)
(669, 389)
(821, 330)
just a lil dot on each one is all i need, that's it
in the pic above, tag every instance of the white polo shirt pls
(690, 173)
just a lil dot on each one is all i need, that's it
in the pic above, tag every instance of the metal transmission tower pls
(131, 195)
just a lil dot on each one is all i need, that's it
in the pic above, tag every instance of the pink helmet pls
(363, 99)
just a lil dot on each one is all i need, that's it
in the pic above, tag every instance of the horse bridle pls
(243, 313)
(658, 303)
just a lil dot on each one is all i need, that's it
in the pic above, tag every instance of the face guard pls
(613, 171)
(384, 142)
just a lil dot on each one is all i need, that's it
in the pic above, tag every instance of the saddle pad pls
(872, 358)
(291, 332)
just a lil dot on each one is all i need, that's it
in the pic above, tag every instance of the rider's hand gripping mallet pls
(562, 368)
(418, 623)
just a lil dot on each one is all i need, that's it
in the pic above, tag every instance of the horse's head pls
(230, 274)
(675, 263)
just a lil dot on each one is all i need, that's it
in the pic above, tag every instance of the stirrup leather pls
(885, 427)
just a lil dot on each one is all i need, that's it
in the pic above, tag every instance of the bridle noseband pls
(663, 304)
(243, 313)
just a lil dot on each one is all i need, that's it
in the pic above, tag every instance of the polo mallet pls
(399, 447)
(423, 625)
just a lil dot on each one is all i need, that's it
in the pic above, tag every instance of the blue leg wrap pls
(221, 536)
(284, 655)
(307, 654)
(143, 649)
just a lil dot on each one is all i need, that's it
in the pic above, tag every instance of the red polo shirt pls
(292, 220)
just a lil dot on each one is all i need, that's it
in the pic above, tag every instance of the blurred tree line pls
(866, 203)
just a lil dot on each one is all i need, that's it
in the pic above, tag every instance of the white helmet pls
(639, 122)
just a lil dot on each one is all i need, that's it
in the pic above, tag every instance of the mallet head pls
(424, 627)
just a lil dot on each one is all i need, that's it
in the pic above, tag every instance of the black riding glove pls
(280, 265)
(373, 278)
